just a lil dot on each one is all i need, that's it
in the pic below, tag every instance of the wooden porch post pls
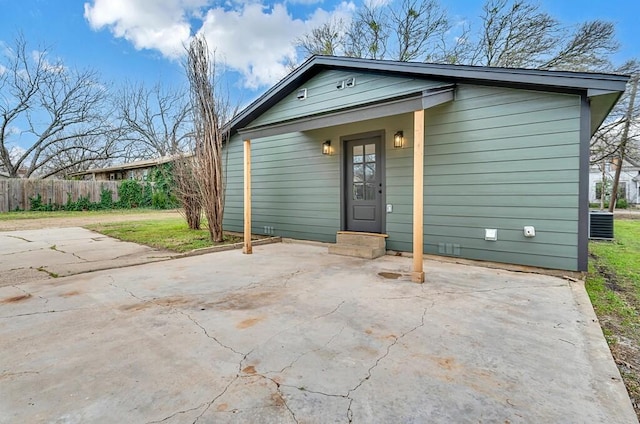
(418, 195)
(247, 198)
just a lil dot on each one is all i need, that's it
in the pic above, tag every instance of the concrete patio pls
(292, 334)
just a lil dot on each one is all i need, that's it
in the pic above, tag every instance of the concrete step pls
(373, 240)
(357, 251)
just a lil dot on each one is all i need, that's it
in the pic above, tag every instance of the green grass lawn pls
(170, 233)
(8, 216)
(613, 284)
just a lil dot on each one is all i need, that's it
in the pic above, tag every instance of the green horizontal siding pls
(494, 158)
(324, 97)
(294, 188)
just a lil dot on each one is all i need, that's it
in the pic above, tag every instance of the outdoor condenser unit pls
(600, 225)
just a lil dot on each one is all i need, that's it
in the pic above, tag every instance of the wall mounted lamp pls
(326, 147)
(398, 140)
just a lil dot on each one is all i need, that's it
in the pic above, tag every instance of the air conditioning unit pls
(600, 225)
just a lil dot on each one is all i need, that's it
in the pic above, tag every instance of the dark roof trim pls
(595, 84)
(408, 103)
(147, 163)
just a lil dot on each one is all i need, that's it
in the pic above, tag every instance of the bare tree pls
(48, 108)
(326, 39)
(368, 34)
(418, 25)
(208, 117)
(607, 143)
(509, 33)
(187, 190)
(80, 154)
(155, 121)
(518, 34)
(624, 141)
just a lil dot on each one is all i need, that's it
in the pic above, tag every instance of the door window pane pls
(370, 171)
(358, 173)
(370, 152)
(357, 154)
(358, 191)
(370, 192)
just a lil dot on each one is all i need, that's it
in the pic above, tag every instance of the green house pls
(473, 162)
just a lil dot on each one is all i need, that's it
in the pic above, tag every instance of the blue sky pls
(141, 40)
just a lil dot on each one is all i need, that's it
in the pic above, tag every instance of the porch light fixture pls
(398, 140)
(326, 147)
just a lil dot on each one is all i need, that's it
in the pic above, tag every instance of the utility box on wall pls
(600, 225)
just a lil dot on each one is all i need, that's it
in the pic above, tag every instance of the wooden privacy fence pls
(16, 192)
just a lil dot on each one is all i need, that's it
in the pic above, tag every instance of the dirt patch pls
(249, 322)
(15, 299)
(277, 400)
(623, 342)
(80, 221)
(249, 370)
(390, 275)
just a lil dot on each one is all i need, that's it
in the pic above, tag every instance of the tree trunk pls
(623, 144)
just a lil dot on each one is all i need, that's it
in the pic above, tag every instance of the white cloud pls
(247, 36)
(304, 1)
(376, 3)
(148, 24)
(254, 41)
(3, 69)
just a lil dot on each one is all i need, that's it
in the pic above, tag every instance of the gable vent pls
(302, 94)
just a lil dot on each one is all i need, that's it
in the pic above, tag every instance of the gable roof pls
(603, 90)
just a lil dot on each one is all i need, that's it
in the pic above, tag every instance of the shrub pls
(130, 193)
(36, 204)
(622, 203)
(106, 198)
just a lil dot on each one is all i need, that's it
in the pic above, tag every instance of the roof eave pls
(592, 84)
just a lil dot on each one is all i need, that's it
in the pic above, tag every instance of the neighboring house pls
(138, 170)
(628, 186)
(494, 149)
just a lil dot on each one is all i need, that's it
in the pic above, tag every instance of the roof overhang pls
(393, 106)
(603, 90)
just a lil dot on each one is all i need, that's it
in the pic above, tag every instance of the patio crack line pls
(19, 238)
(334, 310)
(17, 374)
(55, 248)
(206, 333)
(175, 414)
(300, 356)
(29, 294)
(281, 395)
(370, 371)
(174, 310)
(53, 311)
(282, 281)
(542, 286)
(330, 312)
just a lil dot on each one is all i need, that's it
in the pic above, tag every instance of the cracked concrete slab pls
(28, 255)
(291, 334)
